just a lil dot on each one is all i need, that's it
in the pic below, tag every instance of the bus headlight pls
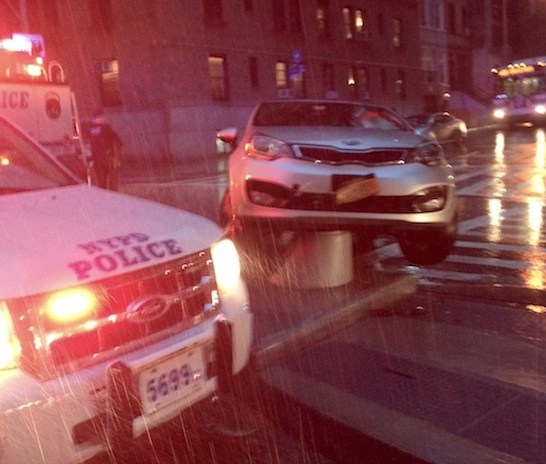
(499, 113)
(540, 109)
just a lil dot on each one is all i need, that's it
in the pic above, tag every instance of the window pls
(347, 23)
(451, 18)
(253, 72)
(380, 24)
(322, 19)
(362, 83)
(213, 11)
(328, 81)
(401, 85)
(281, 74)
(101, 15)
(279, 15)
(358, 82)
(109, 85)
(397, 32)
(218, 78)
(359, 21)
(384, 81)
(296, 21)
(354, 24)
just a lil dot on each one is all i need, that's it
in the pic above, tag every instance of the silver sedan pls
(302, 164)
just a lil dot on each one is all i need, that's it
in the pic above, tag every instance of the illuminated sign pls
(516, 70)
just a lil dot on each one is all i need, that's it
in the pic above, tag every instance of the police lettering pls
(14, 100)
(109, 255)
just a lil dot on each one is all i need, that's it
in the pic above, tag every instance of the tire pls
(426, 249)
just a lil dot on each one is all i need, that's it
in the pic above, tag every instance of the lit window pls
(359, 21)
(109, 82)
(218, 77)
(281, 74)
(347, 23)
(321, 16)
(401, 85)
(397, 32)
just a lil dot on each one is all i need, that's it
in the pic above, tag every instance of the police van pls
(34, 95)
(117, 314)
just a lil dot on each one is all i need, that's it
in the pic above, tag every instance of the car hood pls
(345, 138)
(57, 238)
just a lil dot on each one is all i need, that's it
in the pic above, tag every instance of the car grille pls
(369, 157)
(136, 309)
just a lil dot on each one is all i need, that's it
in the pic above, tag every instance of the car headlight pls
(227, 266)
(499, 113)
(10, 348)
(71, 306)
(429, 154)
(268, 148)
(540, 109)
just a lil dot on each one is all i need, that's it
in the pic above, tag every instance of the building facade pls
(170, 73)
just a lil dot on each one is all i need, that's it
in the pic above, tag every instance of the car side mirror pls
(227, 136)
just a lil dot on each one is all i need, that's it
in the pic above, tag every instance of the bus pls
(520, 92)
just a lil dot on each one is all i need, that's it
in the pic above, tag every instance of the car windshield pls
(327, 115)
(24, 166)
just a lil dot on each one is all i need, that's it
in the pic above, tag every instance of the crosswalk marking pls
(481, 260)
(418, 437)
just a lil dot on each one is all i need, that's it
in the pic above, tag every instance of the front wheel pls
(426, 248)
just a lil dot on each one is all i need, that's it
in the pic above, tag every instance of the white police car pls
(116, 313)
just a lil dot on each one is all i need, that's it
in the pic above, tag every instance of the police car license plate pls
(351, 188)
(178, 377)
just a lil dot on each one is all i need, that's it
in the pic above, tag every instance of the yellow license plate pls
(356, 189)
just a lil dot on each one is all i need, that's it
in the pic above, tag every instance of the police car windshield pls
(25, 166)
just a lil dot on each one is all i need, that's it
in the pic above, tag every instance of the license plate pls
(356, 189)
(175, 378)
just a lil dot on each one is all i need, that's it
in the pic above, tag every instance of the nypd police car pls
(116, 313)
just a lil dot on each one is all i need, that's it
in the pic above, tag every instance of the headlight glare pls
(70, 306)
(10, 349)
(227, 266)
(540, 109)
(499, 113)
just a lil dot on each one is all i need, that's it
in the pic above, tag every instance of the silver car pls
(333, 165)
(444, 127)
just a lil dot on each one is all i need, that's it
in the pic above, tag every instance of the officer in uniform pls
(106, 152)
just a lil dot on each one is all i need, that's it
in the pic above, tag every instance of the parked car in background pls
(443, 126)
(116, 313)
(313, 164)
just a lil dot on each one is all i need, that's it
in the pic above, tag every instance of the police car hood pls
(58, 238)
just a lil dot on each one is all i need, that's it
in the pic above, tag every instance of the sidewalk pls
(150, 170)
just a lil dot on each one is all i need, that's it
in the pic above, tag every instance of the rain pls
(272, 232)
